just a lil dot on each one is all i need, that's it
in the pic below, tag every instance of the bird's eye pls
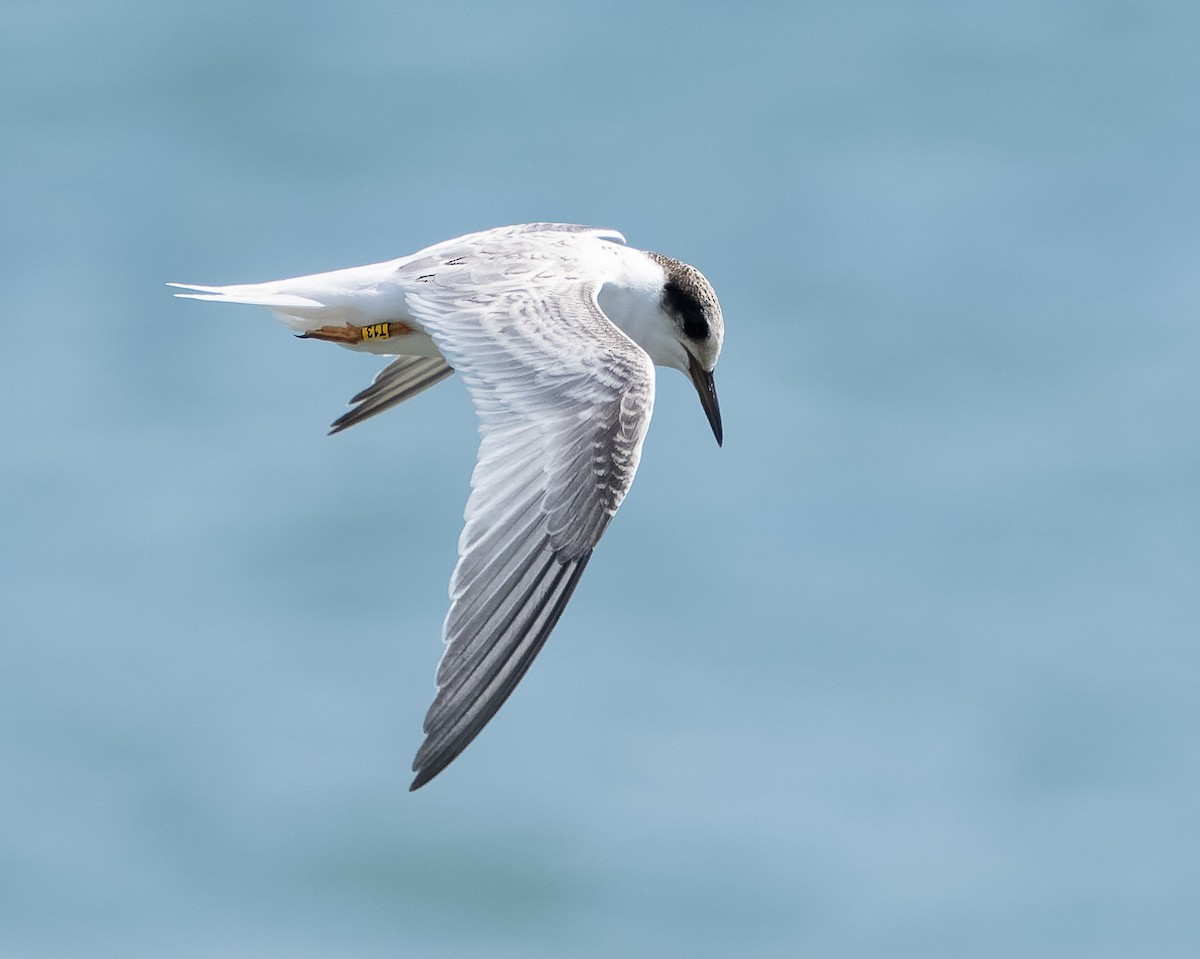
(695, 327)
(689, 312)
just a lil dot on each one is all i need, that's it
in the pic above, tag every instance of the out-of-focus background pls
(909, 668)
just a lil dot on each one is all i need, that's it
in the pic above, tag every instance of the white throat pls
(633, 301)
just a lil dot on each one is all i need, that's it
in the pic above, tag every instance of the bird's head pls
(689, 302)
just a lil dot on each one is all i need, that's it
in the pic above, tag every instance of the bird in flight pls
(555, 330)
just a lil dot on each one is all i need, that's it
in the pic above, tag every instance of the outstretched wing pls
(564, 399)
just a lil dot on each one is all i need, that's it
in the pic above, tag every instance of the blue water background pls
(910, 668)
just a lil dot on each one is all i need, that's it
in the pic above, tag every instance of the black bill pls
(702, 379)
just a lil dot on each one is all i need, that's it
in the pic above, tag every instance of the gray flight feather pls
(400, 380)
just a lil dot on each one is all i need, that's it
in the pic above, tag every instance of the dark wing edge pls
(481, 685)
(400, 380)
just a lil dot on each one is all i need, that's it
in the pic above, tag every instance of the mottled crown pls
(690, 299)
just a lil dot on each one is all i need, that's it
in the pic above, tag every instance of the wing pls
(400, 380)
(564, 399)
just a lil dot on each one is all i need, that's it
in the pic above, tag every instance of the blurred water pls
(909, 668)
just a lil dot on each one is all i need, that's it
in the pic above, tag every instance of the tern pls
(555, 330)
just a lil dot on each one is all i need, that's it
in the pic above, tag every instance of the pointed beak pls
(702, 379)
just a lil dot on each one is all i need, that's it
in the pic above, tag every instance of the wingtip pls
(427, 765)
(423, 776)
(343, 422)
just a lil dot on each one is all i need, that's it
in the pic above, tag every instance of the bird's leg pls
(357, 334)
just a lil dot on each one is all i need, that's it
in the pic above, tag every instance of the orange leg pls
(357, 334)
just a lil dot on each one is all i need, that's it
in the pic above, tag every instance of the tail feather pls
(358, 296)
(254, 294)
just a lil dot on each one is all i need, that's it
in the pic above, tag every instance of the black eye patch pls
(681, 304)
